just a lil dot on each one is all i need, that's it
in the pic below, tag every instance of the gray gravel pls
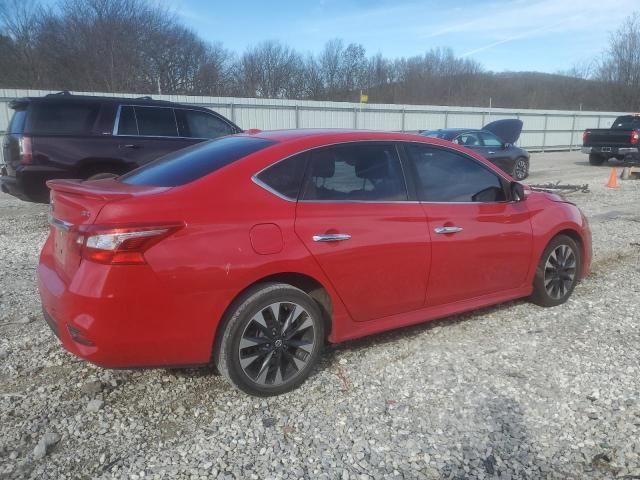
(514, 391)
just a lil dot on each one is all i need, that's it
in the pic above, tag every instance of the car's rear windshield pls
(64, 118)
(194, 162)
(16, 125)
(628, 122)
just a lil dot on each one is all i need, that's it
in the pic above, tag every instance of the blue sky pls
(516, 35)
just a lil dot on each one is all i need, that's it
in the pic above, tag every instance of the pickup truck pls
(621, 141)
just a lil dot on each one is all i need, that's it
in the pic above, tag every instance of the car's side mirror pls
(517, 192)
(507, 145)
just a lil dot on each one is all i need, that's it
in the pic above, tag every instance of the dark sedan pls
(494, 141)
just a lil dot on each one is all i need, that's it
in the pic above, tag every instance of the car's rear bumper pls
(610, 150)
(110, 316)
(29, 182)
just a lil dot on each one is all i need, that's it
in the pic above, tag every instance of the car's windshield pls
(194, 162)
(627, 122)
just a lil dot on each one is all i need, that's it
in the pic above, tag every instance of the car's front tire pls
(521, 169)
(271, 340)
(557, 273)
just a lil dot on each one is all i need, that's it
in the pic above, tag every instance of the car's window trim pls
(503, 180)
(116, 124)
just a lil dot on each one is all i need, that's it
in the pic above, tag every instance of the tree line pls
(137, 46)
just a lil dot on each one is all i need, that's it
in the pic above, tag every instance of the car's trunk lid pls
(508, 130)
(76, 203)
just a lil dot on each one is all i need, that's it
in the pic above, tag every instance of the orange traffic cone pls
(613, 179)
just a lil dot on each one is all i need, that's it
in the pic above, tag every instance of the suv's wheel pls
(557, 272)
(521, 169)
(595, 159)
(271, 340)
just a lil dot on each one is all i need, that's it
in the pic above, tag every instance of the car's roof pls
(63, 97)
(457, 130)
(332, 135)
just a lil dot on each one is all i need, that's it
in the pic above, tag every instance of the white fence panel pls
(543, 129)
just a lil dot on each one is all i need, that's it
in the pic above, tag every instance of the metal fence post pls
(297, 116)
(544, 133)
(446, 119)
(599, 119)
(403, 120)
(232, 113)
(573, 131)
(355, 118)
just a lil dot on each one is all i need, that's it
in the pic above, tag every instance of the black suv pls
(73, 136)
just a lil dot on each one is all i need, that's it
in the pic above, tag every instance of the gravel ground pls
(515, 391)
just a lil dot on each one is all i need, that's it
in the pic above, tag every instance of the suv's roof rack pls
(146, 97)
(63, 92)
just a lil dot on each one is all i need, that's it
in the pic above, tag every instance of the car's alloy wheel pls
(557, 272)
(276, 344)
(271, 339)
(560, 271)
(521, 169)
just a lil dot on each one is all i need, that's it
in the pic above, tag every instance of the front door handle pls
(131, 146)
(491, 153)
(331, 237)
(447, 229)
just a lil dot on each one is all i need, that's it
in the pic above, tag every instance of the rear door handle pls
(491, 153)
(131, 146)
(331, 237)
(447, 229)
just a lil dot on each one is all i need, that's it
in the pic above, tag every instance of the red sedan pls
(253, 250)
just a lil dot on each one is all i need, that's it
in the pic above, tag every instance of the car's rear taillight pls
(635, 137)
(26, 150)
(122, 245)
(585, 137)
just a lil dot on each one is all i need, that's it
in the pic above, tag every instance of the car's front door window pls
(468, 140)
(447, 176)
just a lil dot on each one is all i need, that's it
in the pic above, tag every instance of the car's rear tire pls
(596, 160)
(271, 340)
(521, 169)
(557, 273)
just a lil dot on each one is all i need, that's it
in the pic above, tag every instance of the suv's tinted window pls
(204, 125)
(355, 172)
(446, 176)
(17, 121)
(49, 118)
(285, 177)
(156, 122)
(194, 162)
(127, 124)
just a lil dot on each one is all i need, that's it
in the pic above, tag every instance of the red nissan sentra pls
(253, 250)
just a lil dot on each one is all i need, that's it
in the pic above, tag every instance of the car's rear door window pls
(490, 140)
(447, 176)
(156, 121)
(198, 124)
(127, 124)
(61, 118)
(192, 163)
(356, 172)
